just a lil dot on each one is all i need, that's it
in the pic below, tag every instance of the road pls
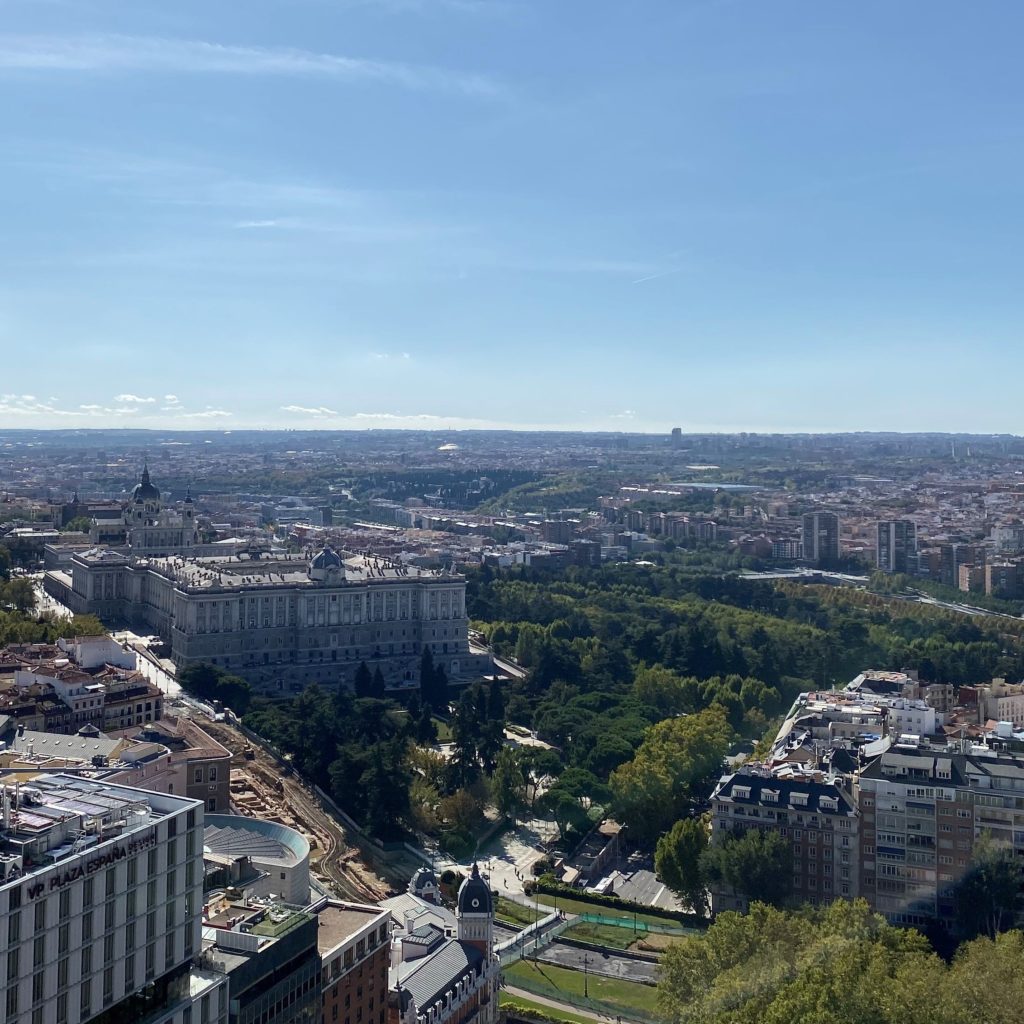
(508, 667)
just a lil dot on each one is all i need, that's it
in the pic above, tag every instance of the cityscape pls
(424, 728)
(507, 515)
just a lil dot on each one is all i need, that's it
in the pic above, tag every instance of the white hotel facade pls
(100, 907)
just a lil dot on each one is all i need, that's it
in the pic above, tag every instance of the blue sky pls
(756, 214)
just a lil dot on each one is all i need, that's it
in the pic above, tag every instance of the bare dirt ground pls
(259, 789)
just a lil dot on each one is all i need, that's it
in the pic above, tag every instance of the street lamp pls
(586, 964)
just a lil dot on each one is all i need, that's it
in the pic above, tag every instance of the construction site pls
(261, 787)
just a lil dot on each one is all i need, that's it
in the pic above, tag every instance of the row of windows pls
(137, 971)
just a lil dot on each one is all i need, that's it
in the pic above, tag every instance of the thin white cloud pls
(426, 416)
(659, 274)
(306, 410)
(626, 414)
(121, 53)
(206, 414)
(389, 356)
(249, 225)
(171, 398)
(134, 398)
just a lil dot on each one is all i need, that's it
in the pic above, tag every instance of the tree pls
(840, 963)
(210, 682)
(428, 681)
(20, 594)
(566, 811)
(363, 681)
(378, 688)
(426, 728)
(677, 859)
(661, 688)
(465, 739)
(496, 702)
(671, 771)
(986, 974)
(756, 862)
(509, 783)
(584, 787)
(490, 741)
(386, 784)
(441, 688)
(988, 895)
(5, 563)
(461, 811)
(80, 524)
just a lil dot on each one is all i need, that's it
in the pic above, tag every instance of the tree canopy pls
(840, 964)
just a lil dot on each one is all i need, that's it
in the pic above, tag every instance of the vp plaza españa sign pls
(90, 867)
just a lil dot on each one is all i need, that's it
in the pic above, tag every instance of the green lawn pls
(580, 907)
(622, 996)
(516, 914)
(444, 730)
(522, 1003)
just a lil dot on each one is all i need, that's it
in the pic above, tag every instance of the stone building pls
(285, 618)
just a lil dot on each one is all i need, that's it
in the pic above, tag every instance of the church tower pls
(475, 913)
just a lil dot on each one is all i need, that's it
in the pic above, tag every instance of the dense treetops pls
(640, 677)
(839, 964)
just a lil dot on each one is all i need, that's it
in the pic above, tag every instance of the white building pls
(261, 859)
(289, 616)
(100, 905)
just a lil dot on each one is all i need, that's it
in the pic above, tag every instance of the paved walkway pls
(522, 993)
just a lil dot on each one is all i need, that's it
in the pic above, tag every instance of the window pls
(40, 915)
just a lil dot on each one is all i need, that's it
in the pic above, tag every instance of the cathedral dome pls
(474, 894)
(144, 490)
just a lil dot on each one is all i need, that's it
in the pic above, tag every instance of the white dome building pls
(262, 858)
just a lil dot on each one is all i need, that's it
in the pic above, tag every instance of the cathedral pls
(151, 529)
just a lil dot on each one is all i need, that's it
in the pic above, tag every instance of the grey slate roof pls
(430, 978)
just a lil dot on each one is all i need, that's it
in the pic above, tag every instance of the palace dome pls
(327, 558)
